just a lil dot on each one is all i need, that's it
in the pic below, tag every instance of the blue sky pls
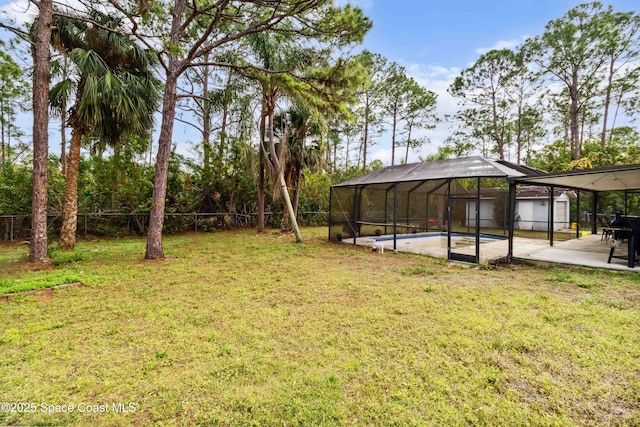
(435, 40)
(449, 33)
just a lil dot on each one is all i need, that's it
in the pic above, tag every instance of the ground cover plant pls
(235, 328)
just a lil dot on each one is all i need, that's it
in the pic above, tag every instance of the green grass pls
(234, 328)
(42, 281)
(14, 261)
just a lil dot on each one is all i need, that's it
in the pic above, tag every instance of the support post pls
(386, 210)
(407, 211)
(594, 213)
(478, 223)
(356, 213)
(551, 213)
(395, 215)
(426, 212)
(330, 206)
(448, 203)
(577, 215)
(511, 219)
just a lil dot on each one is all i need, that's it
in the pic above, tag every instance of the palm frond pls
(60, 94)
(88, 62)
(117, 93)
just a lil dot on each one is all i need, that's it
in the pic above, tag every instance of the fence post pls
(12, 218)
(196, 220)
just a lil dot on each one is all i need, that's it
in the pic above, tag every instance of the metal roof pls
(608, 178)
(463, 167)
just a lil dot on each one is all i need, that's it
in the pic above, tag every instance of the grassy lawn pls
(239, 329)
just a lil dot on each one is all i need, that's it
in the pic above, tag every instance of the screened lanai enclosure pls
(473, 209)
(461, 205)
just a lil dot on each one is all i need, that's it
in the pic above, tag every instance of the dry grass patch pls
(240, 329)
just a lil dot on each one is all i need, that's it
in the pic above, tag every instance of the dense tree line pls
(572, 85)
(282, 107)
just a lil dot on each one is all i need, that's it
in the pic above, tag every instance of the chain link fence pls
(18, 227)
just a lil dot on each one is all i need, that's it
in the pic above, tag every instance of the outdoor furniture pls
(605, 225)
(626, 228)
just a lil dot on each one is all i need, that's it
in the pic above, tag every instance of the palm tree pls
(277, 53)
(116, 93)
(303, 75)
(60, 68)
(296, 125)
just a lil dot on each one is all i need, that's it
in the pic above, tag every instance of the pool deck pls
(587, 251)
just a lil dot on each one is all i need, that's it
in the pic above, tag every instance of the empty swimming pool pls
(435, 244)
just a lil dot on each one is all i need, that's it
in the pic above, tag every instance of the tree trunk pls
(366, 136)
(63, 124)
(406, 154)
(334, 169)
(116, 175)
(285, 219)
(70, 210)
(223, 136)
(8, 146)
(346, 159)
(261, 172)
(519, 134)
(289, 206)
(393, 137)
(296, 191)
(283, 185)
(607, 102)
(41, 59)
(156, 216)
(63, 141)
(206, 126)
(158, 201)
(615, 117)
(2, 120)
(496, 129)
(574, 125)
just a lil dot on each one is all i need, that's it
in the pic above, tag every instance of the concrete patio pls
(587, 251)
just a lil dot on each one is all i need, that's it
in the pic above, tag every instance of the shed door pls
(561, 212)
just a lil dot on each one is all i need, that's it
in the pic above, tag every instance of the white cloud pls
(19, 12)
(436, 79)
(502, 44)
(383, 155)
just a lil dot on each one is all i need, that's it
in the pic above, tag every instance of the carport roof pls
(464, 167)
(608, 178)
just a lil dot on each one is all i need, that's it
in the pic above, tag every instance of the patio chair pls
(626, 228)
(605, 226)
